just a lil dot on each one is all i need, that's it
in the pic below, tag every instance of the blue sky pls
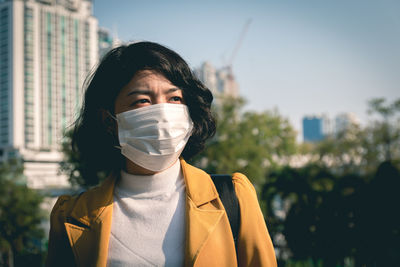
(302, 57)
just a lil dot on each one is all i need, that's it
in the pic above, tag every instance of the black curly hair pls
(94, 136)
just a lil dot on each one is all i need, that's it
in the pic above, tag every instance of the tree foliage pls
(20, 218)
(249, 142)
(328, 217)
(385, 133)
(343, 203)
(78, 173)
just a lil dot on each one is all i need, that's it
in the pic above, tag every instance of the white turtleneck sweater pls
(148, 220)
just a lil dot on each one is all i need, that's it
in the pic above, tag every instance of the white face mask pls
(154, 136)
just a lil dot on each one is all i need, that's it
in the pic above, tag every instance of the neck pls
(154, 184)
(132, 168)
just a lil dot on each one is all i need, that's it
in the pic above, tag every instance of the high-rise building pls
(315, 128)
(47, 47)
(207, 75)
(221, 82)
(227, 84)
(344, 120)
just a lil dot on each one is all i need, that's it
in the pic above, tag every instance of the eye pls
(177, 99)
(140, 102)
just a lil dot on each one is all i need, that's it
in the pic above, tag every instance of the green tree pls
(20, 218)
(76, 170)
(335, 207)
(344, 152)
(385, 133)
(251, 142)
(379, 222)
(317, 211)
(71, 165)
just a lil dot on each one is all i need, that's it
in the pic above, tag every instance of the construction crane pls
(227, 68)
(239, 42)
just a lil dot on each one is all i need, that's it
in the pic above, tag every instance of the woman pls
(144, 114)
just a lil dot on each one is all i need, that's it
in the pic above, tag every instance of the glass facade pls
(54, 54)
(313, 129)
(63, 75)
(87, 50)
(49, 25)
(4, 76)
(46, 49)
(28, 77)
(76, 44)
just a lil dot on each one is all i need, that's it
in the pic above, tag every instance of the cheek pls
(120, 101)
(119, 105)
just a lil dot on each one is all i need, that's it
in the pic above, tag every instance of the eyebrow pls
(148, 92)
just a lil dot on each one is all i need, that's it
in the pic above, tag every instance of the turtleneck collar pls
(150, 185)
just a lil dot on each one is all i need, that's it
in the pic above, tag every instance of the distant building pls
(345, 120)
(105, 41)
(47, 47)
(221, 82)
(207, 75)
(315, 128)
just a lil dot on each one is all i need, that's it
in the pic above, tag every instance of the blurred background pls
(306, 95)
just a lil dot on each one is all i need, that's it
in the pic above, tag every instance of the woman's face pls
(147, 88)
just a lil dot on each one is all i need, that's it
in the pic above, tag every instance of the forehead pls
(148, 79)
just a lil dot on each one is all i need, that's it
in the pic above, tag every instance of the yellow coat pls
(83, 223)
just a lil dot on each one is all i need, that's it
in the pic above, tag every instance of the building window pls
(63, 73)
(4, 83)
(28, 71)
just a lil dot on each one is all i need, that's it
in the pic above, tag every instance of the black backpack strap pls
(227, 194)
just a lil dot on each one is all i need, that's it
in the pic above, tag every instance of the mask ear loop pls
(112, 116)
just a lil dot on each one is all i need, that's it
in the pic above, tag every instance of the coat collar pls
(196, 179)
(93, 202)
(93, 210)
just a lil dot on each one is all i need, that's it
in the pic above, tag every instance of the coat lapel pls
(89, 225)
(202, 216)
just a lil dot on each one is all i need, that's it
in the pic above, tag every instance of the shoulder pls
(62, 210)
(63, 206)
(68, 209)
(246, 195)
(86, 201)
(243, 186)
(255, 247)
(240, 178)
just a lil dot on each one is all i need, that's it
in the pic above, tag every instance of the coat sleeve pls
(59, 250)
(255, 247)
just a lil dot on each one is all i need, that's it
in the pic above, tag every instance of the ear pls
(109, 122)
